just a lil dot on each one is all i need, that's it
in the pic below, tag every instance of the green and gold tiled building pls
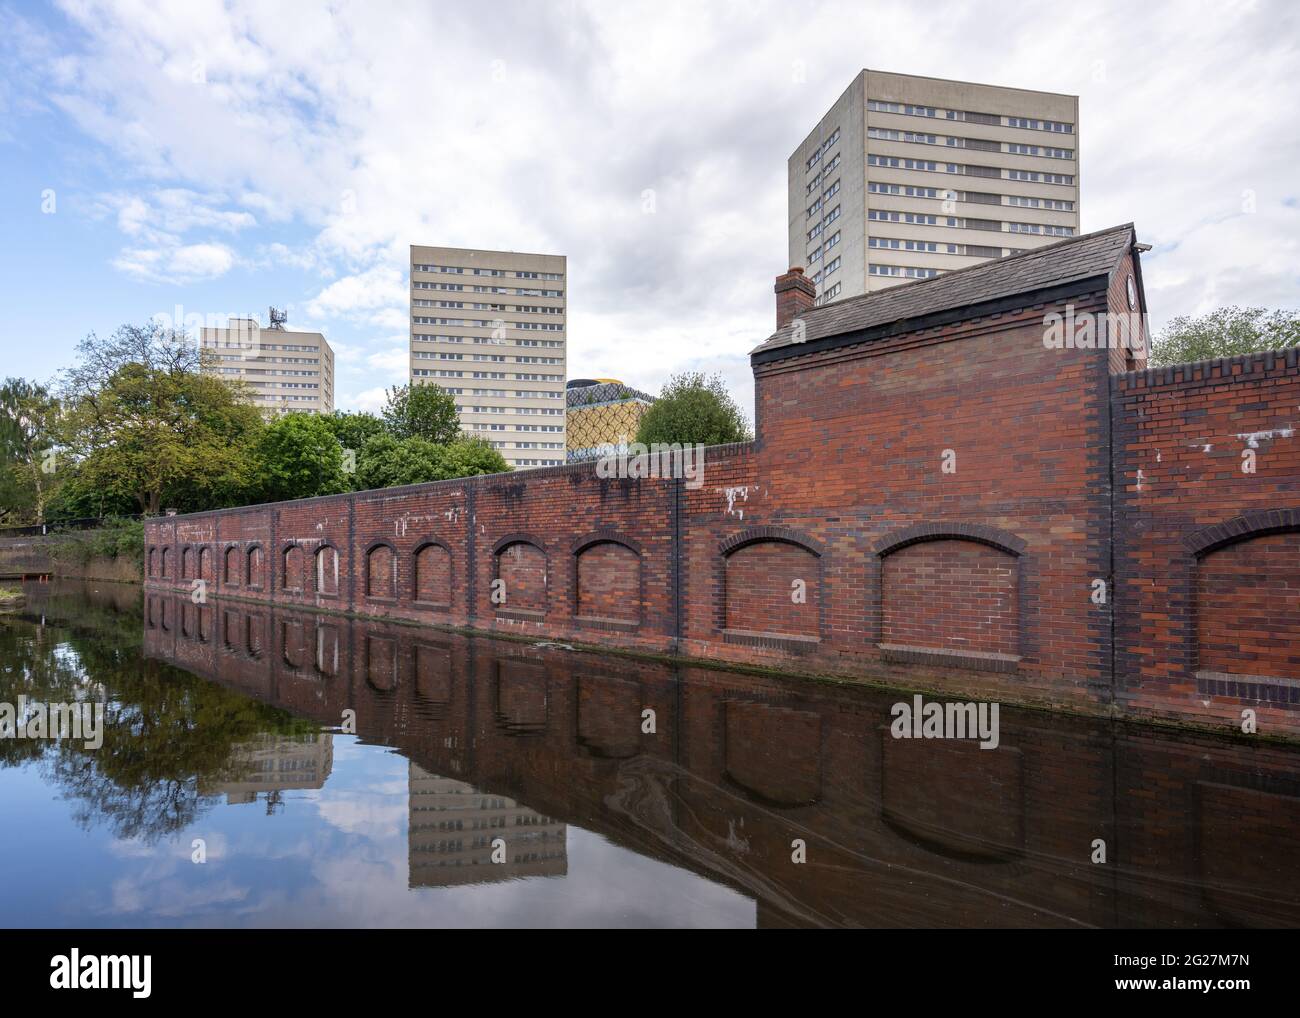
(601, 412)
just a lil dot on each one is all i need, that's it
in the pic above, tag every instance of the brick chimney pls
(795, 293)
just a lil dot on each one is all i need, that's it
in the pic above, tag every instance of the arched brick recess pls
(755, 534)
(205, 570)
(162, 569)
(232, 574)
(521, 563)
(381, 571)
(431, 575)
(771, 585)
(607, 580)
(325, 570)
(951, 594)
(1247, 612)
(253, 566)
(293, 569)
(187, 562)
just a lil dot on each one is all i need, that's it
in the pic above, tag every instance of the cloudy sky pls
(220, 157)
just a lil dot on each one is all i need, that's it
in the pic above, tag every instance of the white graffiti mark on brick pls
(1253, 438)
(732, 494)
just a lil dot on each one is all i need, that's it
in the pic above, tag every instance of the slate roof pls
(1078, 258)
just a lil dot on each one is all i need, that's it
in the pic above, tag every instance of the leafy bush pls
(117, 538)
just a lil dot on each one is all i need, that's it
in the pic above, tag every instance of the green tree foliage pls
(469, 456)
(114, 538)
(139, 416)
(28, 458)
(421, 411)
(693, 408)
(77, 498)
(297, 456)
(387, 462)
(353, 430)
(140, 427)
(1226, 332)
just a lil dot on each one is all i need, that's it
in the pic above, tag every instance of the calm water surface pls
(228, 723)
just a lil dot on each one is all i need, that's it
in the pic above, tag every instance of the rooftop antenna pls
(278, 318)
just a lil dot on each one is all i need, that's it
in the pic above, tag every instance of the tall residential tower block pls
(909, 177)
(489, 327)
(286, 371)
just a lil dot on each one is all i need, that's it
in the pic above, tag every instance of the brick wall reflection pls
(1199, 831)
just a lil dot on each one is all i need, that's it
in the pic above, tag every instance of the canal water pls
(274, 767)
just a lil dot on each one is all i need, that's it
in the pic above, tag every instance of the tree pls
(353, 430)
(423, 411)
(693, 408)
(28, 458)
(469, 456)
(297, 456)
(76, 498)
(386, 462)
(139, 417)
(1226, 332)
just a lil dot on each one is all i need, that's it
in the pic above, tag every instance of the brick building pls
(969, 483)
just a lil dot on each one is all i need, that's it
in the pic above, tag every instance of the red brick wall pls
(761, 589)
(1001, 558)
(521, 570)
(381, 572)
(851, 454)
(1248, 607)
(609, 582)
(433, 575)
(951, 595)
(1206, 563)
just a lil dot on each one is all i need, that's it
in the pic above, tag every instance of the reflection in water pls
(453, 826)
(271, 765)
(493, 782)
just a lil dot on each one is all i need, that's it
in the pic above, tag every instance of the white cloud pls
(176, 263)
(371, 293)
(371, 400)
(157, 223)
(393, 361)
(565, 116)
